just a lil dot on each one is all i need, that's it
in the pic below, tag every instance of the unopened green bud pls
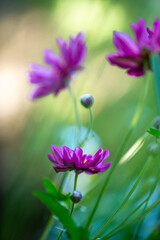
(87, 100)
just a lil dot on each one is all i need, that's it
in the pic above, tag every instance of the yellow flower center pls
(84, 161)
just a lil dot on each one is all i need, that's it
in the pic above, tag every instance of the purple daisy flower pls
(132, 54)
(52, 79)
(66, 159)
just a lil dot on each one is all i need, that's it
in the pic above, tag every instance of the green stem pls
(142, 217)
(75, 180)
(128, 157)
(76, 113)
(91, 121)
(155, 63)
(124, 201)
(89, 127)
(74, 106)
(72, 207)
(75, 186)
(117, 159)
(133, 220)
(59, 236)
(51, 219)
(126, 219)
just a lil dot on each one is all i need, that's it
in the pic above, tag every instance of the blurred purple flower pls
(52, 79)
(154, 35)
(66, 159)
(132, 55)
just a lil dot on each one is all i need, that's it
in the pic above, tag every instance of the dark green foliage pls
(55, 194)
(27, 150)
(61, 212)
(154, 132)
(49, 200)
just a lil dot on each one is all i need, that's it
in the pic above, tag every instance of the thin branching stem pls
(132, 221)
(126, 219)
(125, 141)
(51, 219)
(89, 127)
(72, 206)
(141, 220)
(125, 199)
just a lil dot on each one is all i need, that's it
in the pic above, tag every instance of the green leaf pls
(64, 216)
(83, 233)
(52, 190)
(154, 132)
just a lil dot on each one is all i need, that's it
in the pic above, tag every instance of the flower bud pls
(87, 100)
(156, 123)
(76, 196)
(154, 148)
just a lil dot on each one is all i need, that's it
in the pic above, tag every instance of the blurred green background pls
(27, 129)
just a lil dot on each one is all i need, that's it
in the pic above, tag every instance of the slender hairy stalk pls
(125, 200)
(115, 162)
(72, 207)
